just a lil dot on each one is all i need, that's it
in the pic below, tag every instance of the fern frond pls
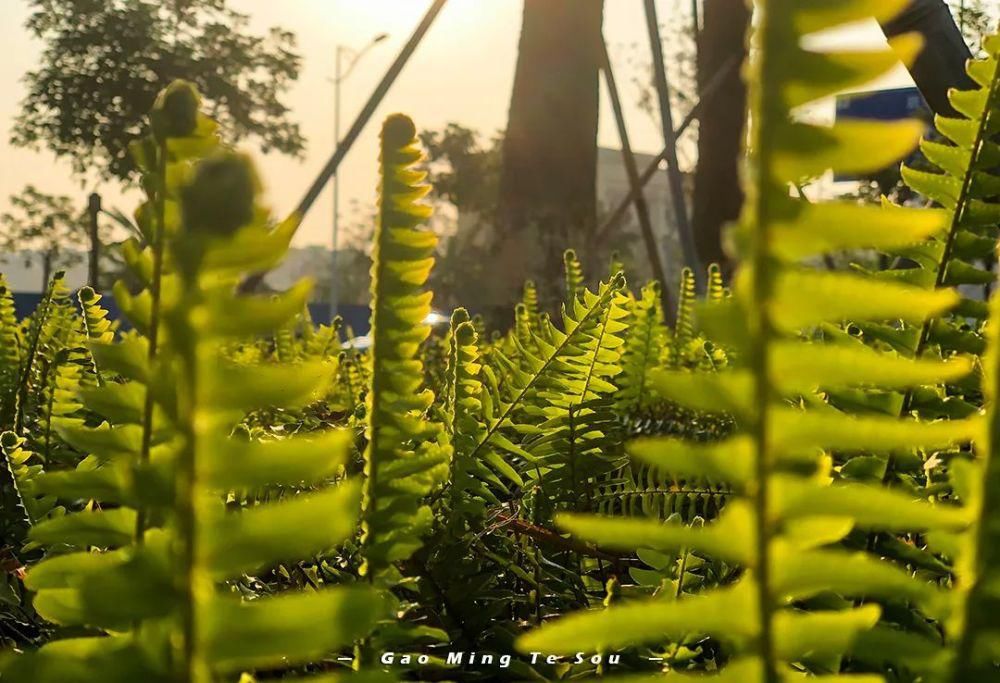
(576, 437)
(573, 275)
(977, 482)
(42, 339)
(716, 287)
(285, 346)
(646, 337)
(22, 506)
(683, 332)
(156, 593)
(403, 462)
(97, 327)
(66, 377)
(966, 188)
(784, 507)
(470, 480)
(570, 368)
(530, 300)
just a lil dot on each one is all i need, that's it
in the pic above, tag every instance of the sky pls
(462, 72)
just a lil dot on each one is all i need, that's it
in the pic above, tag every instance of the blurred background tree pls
(45, 230)
(464, 172)
(976, 19)
(105, 61)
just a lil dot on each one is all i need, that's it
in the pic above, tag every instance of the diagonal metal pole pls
(373, 102)
(344, 146)
(678, 201)
(704, 99)
(635, 185)
(940, 66)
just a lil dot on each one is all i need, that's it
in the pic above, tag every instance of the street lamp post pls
(339, 75)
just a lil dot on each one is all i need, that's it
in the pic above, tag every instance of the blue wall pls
(883, 105)
(355, 315)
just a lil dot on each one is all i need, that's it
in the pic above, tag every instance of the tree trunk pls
(547, 197)
(718, 197)
(941, 64)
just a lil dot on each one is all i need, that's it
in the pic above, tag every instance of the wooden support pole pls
(635, 185)
(705, 98)
(678, 200)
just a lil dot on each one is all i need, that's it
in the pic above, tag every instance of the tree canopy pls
(105, 61)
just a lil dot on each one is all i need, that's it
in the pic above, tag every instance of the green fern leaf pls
(399, 441)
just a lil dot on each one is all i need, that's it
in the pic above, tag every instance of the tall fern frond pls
(786, 518)
(965, 188)
(978, 482)
(403, 461)
(530, 300)
(151, 604)
(716, 287)
(470, 480)
(207, 394)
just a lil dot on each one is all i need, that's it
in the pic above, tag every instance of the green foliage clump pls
(796, 480)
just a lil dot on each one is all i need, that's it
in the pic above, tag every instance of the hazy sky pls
(461, 72)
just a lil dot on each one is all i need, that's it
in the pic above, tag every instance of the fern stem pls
(764, 91)
(159, 225)
(193, 667)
